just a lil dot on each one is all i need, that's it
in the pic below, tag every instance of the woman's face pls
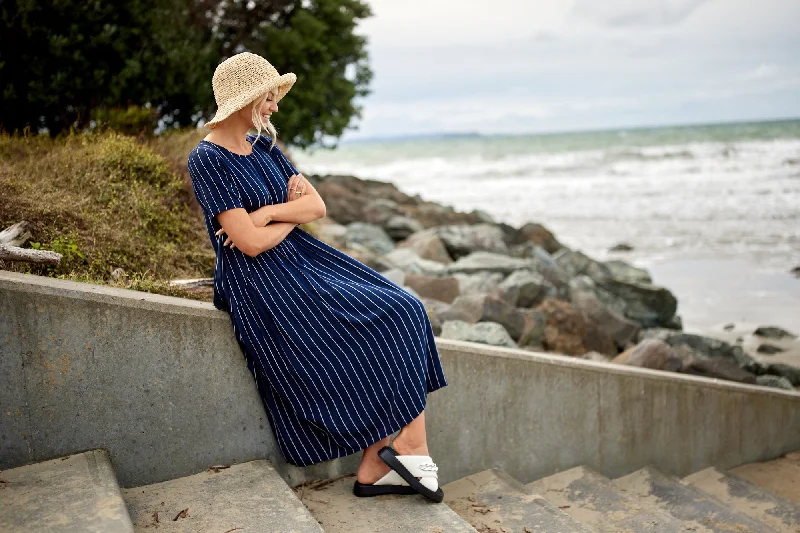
(269, 107)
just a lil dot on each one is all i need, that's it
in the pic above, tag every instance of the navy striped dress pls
(342, 356)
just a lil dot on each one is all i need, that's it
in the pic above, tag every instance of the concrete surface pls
(250, 497)
(695, 508)
(491, 500)
(339, 511)
(593, 500)
(77, 494)
(161, 383)
(748, 498)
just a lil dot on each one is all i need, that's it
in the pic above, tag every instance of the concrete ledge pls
(162, 384)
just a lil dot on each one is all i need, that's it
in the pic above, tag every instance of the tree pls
(61, 60)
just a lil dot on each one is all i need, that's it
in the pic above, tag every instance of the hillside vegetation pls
(106, 201)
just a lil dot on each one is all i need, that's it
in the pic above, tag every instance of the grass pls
(106, 201)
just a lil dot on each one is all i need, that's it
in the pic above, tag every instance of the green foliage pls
(64, 63)
(132, 120)
(103, 201)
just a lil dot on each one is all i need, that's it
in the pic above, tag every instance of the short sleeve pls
(213, 188)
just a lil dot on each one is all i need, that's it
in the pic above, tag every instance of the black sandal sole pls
(389, 456)
(363, 490)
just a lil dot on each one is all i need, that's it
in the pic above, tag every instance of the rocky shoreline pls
(489, 282)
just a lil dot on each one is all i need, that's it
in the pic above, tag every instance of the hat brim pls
(283, 83)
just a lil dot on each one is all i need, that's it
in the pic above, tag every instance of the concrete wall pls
(162, 384)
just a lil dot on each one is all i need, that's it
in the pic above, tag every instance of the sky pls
(519, 66)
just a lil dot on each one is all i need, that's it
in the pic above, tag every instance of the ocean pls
(713, 210)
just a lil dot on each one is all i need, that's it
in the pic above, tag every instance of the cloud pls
(764, 70)
(622, 13)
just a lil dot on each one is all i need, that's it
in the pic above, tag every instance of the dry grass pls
(105, 200)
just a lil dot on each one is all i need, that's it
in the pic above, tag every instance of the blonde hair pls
(257, 103)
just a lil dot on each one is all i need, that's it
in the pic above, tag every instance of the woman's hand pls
(297, 183)
(260, 218)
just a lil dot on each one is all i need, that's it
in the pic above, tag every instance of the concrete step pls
(493, 500)
(593, 500)
(780, 476)
(757, 502)
(696, 508)
(340, 511)
(77, 492)
(249, 496)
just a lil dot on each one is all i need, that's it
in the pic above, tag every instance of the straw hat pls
(242, 78)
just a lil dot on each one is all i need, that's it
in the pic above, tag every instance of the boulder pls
(526, 288)
(408, 261)
(776, 382)
(428, 245)
(369, 237)
(475, 308)
(489, 261)
(570, 331)
(442, 288)
(480, 282)
(575, 263)
(533, 330)
(541, 236)
(649, 305)
(773, 332)
(710, 347)
(400, 227)
(769, 349)
(651, 353)
(483, 332)
(461, 240)
(624, 271)
(583, 296)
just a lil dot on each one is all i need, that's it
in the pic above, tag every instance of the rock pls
(483, 332)
(776, 369)
(541, 236)
(624, 271)
(575, 263)
(674, 323)
(714, 367)
(651, 353)
(378, 211)
(332, 233)
(480, 282)
(769, 349)
(571, 332)
(774, 332)
(483, 216)
(544, 264)
(493, 262)
(795, 272)
(407, 260)
(583, 296)
(533, 331)
(776, 382)
(395, 275)
(369, 237)
(707, 346)
(649, 305)
(462, 240)
(475, 308)
(443, 288)
(400, 227)
(596, 356)
(525, 288)
(621, 247)
(118, 273)
(370, 259)
(427, 245)
(729, 327)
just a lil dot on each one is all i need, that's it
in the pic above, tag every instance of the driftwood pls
(13, 237)
(192, 283)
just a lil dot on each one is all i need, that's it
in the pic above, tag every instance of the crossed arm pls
(247, 231)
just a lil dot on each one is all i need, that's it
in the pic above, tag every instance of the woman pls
(342, 356)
